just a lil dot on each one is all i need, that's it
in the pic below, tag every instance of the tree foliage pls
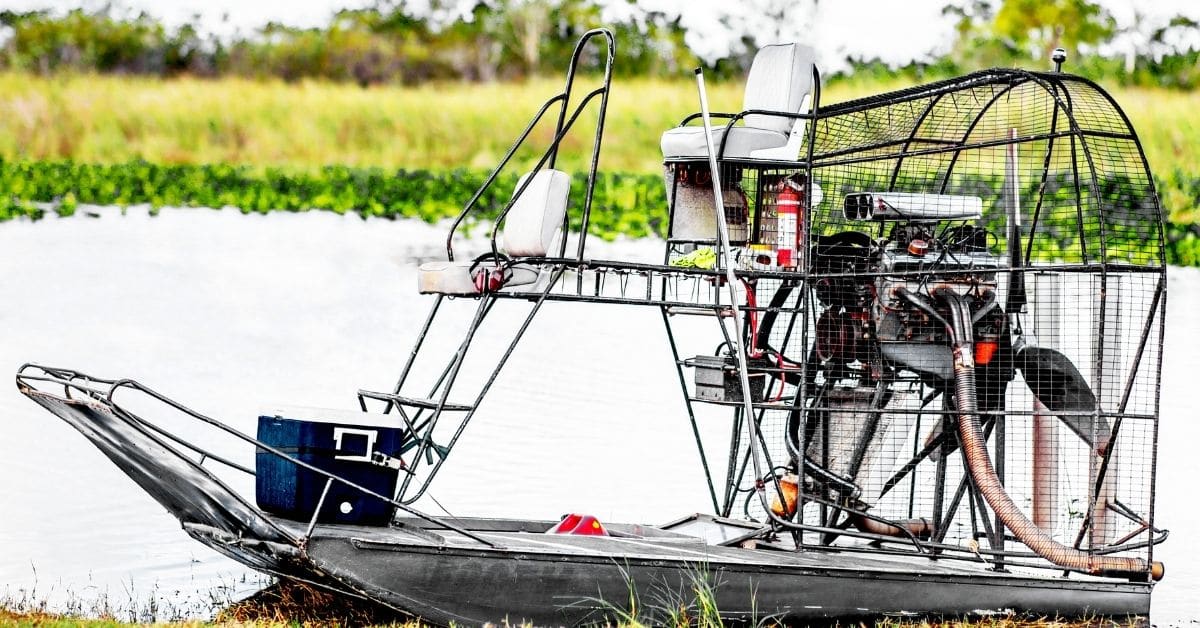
(1040, 26)
(503, 39)
(514, 39)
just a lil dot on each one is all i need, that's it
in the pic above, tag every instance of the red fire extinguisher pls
(790, 211)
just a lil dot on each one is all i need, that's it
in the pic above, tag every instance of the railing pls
(563, 125)
(103, 392)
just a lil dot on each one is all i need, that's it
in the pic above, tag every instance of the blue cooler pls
(346, 444)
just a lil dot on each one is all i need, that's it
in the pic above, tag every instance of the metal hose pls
(974, 446)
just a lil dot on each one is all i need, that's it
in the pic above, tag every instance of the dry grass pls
(284, 604)
(295, 604)
(109, 119)
(290, 604)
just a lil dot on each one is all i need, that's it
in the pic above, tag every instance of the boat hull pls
(521, 574)
(558, 586)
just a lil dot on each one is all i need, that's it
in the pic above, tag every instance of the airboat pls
(938, 315)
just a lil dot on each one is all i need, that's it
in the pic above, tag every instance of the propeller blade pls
(1059, 386)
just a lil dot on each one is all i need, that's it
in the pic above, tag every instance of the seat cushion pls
(780, 77)
(458, 278)
(536, 216)
(688, 141)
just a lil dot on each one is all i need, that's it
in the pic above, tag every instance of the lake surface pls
(233, 313)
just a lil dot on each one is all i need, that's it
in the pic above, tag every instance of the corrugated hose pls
(984, 474)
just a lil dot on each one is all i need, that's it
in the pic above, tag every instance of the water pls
(231, 313)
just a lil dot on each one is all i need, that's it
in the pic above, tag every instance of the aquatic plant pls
(625, 204)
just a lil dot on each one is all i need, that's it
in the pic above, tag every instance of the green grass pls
(111, 119)
(105, 119)
(633, 205)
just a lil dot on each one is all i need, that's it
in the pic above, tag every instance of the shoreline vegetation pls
(406, 152)
(624, 204)
(289, 604)
(391, 110)
(407, 43)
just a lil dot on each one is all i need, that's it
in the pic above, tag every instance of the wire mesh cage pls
(963, 349)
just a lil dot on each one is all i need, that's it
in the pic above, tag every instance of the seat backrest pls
(531, 226)
(780, 79)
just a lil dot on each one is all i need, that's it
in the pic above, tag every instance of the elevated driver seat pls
(531, 228)
(781, 80)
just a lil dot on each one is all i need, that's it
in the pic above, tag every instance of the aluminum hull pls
(443, 576)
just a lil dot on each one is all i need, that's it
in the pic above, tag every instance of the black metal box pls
(717, 379)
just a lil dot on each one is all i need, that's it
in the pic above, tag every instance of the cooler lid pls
(329, 415)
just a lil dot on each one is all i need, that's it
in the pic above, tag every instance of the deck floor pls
(662, 545)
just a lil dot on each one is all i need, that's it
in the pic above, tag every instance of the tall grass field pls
(108, 119)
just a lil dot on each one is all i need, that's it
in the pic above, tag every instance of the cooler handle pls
(370, 435)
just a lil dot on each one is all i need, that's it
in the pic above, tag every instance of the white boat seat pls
(689, 142)
(534, 224)
(781, 79)
(532, 228)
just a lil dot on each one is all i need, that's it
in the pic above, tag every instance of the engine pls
(916, 264)
(879, 297)
(886, 317)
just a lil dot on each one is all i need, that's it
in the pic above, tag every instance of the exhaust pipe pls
(921, 528)
(980, 464)
(789, 486)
